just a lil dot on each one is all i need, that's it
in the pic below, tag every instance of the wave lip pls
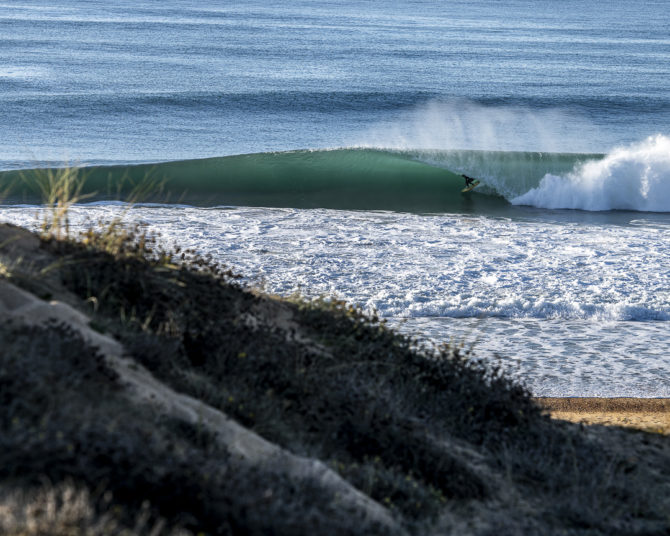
(635, 178)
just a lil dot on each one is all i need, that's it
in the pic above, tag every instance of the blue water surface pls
(135, 81)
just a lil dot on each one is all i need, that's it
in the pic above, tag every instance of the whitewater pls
(629, 178)
(319, 150)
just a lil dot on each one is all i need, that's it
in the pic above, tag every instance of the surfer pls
(468, 180)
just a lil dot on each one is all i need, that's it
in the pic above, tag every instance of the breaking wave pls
(340, 178)
(634, 178)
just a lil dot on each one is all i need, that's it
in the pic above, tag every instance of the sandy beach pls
(648, 414)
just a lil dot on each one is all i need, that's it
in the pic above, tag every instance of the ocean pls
(317, 147)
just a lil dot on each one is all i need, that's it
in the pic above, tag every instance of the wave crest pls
(636, 178)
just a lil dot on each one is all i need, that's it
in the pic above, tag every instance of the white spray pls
(636, 177)
(467, 125)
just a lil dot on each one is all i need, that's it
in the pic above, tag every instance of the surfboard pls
(468, 188)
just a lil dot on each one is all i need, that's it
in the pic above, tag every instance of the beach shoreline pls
(647, 414)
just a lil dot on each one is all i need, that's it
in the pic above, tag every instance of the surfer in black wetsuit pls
(468, 180)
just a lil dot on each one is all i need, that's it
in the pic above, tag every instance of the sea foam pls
(636, 177)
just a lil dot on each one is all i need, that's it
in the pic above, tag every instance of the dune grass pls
(417, 429)
(60, 189)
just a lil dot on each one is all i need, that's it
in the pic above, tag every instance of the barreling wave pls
(634, 178)
(421, 181)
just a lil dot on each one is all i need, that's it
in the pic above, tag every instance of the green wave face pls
(426, 181)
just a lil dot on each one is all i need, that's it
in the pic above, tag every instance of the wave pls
(421, 181)
(633, 178)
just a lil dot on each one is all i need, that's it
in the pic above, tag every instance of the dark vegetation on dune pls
(445, 442)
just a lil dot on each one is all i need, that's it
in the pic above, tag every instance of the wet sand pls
(648, 414)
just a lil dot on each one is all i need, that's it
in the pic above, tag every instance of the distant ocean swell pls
(20, 85)
(635, 178)
(269, 102)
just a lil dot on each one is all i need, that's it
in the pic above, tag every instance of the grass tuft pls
(60, 189)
